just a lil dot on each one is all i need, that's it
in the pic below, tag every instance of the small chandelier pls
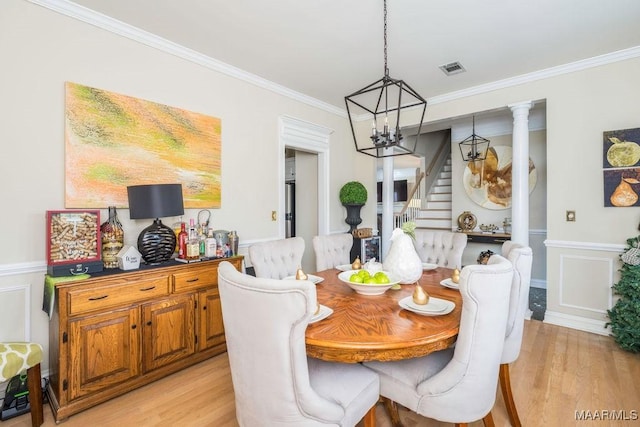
(383, 99)
(474, 147)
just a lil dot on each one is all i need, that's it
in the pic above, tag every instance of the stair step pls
(435, 213)
(441, 189)
(434, 223)
(439, 205)
(443, 197)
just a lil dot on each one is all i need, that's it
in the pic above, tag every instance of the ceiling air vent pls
(452, 68)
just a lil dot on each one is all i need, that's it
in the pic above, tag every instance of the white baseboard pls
(576, 322)
(538, 283)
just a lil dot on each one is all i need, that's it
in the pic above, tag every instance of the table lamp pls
(157, 242)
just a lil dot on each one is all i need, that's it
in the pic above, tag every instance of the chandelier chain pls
(386, 69)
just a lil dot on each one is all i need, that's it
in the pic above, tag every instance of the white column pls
(387, 205)
(520, 173)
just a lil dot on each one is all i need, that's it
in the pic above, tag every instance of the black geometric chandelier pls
(474, 147)
(385, 99)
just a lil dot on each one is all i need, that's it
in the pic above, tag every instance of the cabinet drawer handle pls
(97, 298)
(500, 240)
(192, 280)
(147, 289)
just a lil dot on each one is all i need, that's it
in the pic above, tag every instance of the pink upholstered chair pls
(274, 382)
(458, 385)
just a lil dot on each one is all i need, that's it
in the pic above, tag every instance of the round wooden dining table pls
(374, 327)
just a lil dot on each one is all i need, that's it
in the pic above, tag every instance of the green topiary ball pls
(353, 193)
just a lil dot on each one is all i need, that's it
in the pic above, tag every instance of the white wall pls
(41, 49)
(582, 256)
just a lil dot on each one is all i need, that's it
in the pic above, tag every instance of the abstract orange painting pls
(113, 141)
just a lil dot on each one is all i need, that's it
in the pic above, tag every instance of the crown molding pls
(81, 13)
(596, 61)
(115, 26)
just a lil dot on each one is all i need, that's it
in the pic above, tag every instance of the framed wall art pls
(113, 141)
(621, 167)
(488, 182)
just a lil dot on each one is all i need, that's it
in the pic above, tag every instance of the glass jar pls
(112, 239)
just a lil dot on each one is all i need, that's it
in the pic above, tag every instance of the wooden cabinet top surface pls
(148, 271)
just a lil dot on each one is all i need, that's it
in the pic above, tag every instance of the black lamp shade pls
(157, 242)
(155, 201)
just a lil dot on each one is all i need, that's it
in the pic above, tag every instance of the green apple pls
(355, 278)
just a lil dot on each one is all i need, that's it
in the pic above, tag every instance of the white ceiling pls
(327, 49)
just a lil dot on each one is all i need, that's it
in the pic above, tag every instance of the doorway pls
(301, 200)
(309, 145)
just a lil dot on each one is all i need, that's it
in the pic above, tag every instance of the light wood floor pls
(560, 371)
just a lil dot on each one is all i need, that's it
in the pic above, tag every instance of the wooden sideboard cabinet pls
(120, 330)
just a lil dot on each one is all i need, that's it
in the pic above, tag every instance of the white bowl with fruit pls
(366, 283)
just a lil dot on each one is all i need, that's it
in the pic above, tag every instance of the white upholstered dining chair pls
(332, 250)
(275, 383)
(277, 259)
(443, 248)
(458, 385)
(522, 258)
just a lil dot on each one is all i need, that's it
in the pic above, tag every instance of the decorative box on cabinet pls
(118, 331)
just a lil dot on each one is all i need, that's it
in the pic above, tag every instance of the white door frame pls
(305, 136)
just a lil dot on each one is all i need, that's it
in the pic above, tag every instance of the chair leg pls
(392, 410)
(488, 420)
(370, 417)
(505, 385)
(34, 384)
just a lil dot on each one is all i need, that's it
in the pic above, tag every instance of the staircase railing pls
(437, 161)
(412, 206)
(416, 199)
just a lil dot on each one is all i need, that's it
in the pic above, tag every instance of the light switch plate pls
(571, 216)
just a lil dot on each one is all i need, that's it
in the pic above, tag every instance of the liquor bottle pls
(210, 245)
(193, 244)
(182, 241)
(112, 239)
(202, 237)
(177, 227)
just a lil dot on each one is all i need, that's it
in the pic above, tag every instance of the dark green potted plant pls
(353, 196)
(624, 317)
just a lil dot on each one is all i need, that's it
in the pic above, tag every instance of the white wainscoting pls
(15, 312)
(585, 275)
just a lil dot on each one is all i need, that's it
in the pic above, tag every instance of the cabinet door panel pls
(169, 331)
(211, 327)
(104, 350)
